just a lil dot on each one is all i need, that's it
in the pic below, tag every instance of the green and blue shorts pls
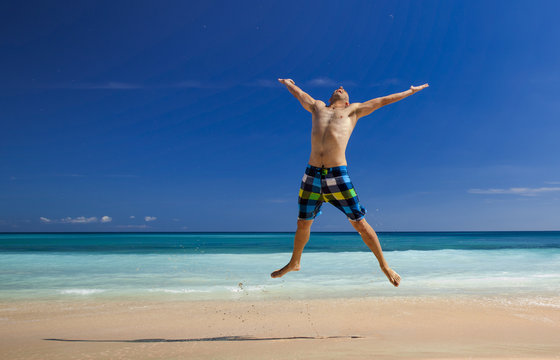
(331, 185)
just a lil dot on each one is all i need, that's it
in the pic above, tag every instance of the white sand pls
(359, 328)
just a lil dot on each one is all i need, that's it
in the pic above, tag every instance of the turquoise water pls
(237, 266)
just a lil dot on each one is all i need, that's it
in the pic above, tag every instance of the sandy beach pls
(357, 328)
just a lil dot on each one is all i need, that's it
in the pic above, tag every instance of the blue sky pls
(167, 116)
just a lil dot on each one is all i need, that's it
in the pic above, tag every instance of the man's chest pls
(333, 120)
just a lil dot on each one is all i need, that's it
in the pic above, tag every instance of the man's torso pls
(330, 134)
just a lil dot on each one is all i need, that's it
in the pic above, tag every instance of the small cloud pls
(515, 191)
(13, 178)
(150, 218)
(79, 220)
(321, 82)
(176, 220)
(552, 182)
(132, 217)
(132, 226)
(106, 219)
(45, 220)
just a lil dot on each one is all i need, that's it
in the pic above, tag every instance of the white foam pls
(179, 291)
(246, 288)
(81, 291)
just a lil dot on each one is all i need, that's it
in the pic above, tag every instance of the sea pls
(237, 266)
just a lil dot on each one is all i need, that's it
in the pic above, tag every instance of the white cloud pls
(552, 182)
(132, 226)
(132, 217)
(515, 191)
(321, 82)
(79, 220)
(76, 220)
(150, 218)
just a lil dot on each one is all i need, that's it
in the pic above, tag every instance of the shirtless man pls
(326, 177)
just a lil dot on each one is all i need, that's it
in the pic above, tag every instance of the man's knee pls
(304, 224)
(360, 225)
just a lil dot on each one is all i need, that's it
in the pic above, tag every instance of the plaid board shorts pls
(330, 185)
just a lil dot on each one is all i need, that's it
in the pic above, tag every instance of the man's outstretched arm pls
(370, 106)
(306, 101)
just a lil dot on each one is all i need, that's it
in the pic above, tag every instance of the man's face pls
(339, 94)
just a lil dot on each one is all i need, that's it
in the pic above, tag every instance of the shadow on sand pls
(219, 338)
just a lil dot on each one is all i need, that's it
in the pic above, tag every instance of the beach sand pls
(357, 328)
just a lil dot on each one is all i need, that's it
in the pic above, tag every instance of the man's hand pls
(306, 101)
(286, 81)
(418, 88)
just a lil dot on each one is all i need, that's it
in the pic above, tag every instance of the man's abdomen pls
(328, 154)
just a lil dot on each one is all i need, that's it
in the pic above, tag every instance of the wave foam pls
(81, 291)
(179, 291)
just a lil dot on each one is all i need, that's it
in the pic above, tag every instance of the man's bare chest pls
(332, 119)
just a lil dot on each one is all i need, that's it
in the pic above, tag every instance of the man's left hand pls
(418, 88)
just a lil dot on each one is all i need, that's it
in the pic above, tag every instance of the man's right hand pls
(286, 81)
(418, 88)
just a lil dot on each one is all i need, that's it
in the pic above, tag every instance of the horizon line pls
(263, 232)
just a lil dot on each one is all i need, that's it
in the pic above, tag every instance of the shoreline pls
(341, 328)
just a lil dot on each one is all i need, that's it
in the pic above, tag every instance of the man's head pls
(339, 95)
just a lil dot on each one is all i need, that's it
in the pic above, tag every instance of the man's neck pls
(338, 105)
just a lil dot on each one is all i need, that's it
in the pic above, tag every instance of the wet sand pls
(358, 328)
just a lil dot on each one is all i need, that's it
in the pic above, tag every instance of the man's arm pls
(306, 101)
(370, 106)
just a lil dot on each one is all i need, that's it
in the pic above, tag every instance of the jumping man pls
(326, 177)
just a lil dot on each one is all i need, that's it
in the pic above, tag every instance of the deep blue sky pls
(169, 112)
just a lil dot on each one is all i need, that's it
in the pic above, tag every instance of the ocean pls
(237, 266)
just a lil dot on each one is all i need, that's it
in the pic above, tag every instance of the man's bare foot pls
(393, 277)
(284, 270)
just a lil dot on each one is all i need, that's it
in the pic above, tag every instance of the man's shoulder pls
(318, 105)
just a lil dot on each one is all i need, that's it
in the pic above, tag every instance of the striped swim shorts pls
(330, 185)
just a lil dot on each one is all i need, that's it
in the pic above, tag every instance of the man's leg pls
(370, 238)
(301, 238)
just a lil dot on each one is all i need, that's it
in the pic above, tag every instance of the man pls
(326, 177)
